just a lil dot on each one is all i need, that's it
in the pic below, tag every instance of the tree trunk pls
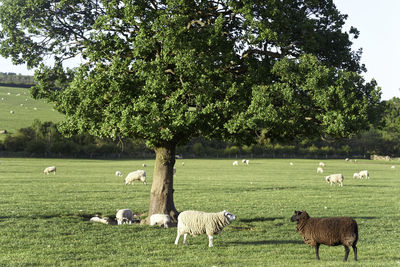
(162, 190)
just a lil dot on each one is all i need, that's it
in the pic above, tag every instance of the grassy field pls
(44, 220)
(25, 109)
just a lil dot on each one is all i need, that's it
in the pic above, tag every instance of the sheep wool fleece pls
(198, 222)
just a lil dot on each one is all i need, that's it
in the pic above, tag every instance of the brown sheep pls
(331, 231)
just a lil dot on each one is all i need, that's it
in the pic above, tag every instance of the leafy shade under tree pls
(167, 71)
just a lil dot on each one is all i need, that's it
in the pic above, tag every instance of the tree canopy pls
(169, 70)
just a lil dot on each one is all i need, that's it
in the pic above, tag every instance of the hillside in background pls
(18, 110)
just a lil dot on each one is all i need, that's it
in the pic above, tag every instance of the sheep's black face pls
(296, 216)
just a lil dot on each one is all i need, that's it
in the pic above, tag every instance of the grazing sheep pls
(235, 163)
(118, 173)
(335, 178)
(320, 170)
(321, 164)
(198, 222)
(247, 162)
(50, 169)
(139, 175)
(356, 175)
(331, 231)
(100, 220)
(364, 174)
(243, 161)
(162, 219)
(124, 215)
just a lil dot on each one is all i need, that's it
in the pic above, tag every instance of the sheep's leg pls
(119, 222)
(317, 251)
(355, 252)
(177, 238)
(210, 240)
(346, 254)
(184, 239)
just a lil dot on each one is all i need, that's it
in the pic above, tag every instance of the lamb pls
(356, 175)
(124, 215)
(100, 220)
(331, 231)
(235, 163)
(50, 169)
(335, 178)
(162, 219)
(364, 174)
(118, 173)
(139, 175)
(321, 164)
(198, 222)
(320, 170)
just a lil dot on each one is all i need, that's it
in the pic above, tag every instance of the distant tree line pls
(42, 139)
(18, 80)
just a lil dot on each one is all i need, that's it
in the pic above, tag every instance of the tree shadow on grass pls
(266, 242)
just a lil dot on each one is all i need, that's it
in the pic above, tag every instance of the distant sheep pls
(49, 170)
(198, 222)
(162, 219)
(356, 175)
(235, 163)
(144, 165)
(291, 163)
(331, 231)
(100, 220)
(183, 163)
(139, 175)
(124, 216)
(335, 179)
(364, 174)
(393, 167)
(321, 164)
(118, 173)
(247, 162)
(320, 170)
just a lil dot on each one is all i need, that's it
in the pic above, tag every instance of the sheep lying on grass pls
(331, 231)
(335, 179)
(49, 170)
(139, 175)
(124, 216)
(198, 222)
(100, 220)
(162, 219)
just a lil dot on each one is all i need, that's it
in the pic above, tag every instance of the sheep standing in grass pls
(124, 215)
(364, 174)
(198, 222)
(356, 175)
(162, 219)
(139, 175)
(331, 231)
(235, 163)
(335, 179)
(320, 170)
(49, 170)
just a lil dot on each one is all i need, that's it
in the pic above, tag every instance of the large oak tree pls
(169, 70)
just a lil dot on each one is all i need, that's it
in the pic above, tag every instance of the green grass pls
(44, 220)
(25, 108)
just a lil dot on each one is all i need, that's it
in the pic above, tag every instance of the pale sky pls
(378, 23)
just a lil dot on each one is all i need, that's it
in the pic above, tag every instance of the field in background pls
(44, 219)
(25, 109)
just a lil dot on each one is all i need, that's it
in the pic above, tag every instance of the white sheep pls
(50, 169)
(291, 163)
(335, 178)
(162, 219)
(393, 167)
(139, 175)
(183, 163)
(364, 174)
(320, 170)
(118, 173)
(356, 175)
(321, 164)
(124, 215)
(100, 220)
(247, 162)
(198, 222)
(243, 161)
(235, 163)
